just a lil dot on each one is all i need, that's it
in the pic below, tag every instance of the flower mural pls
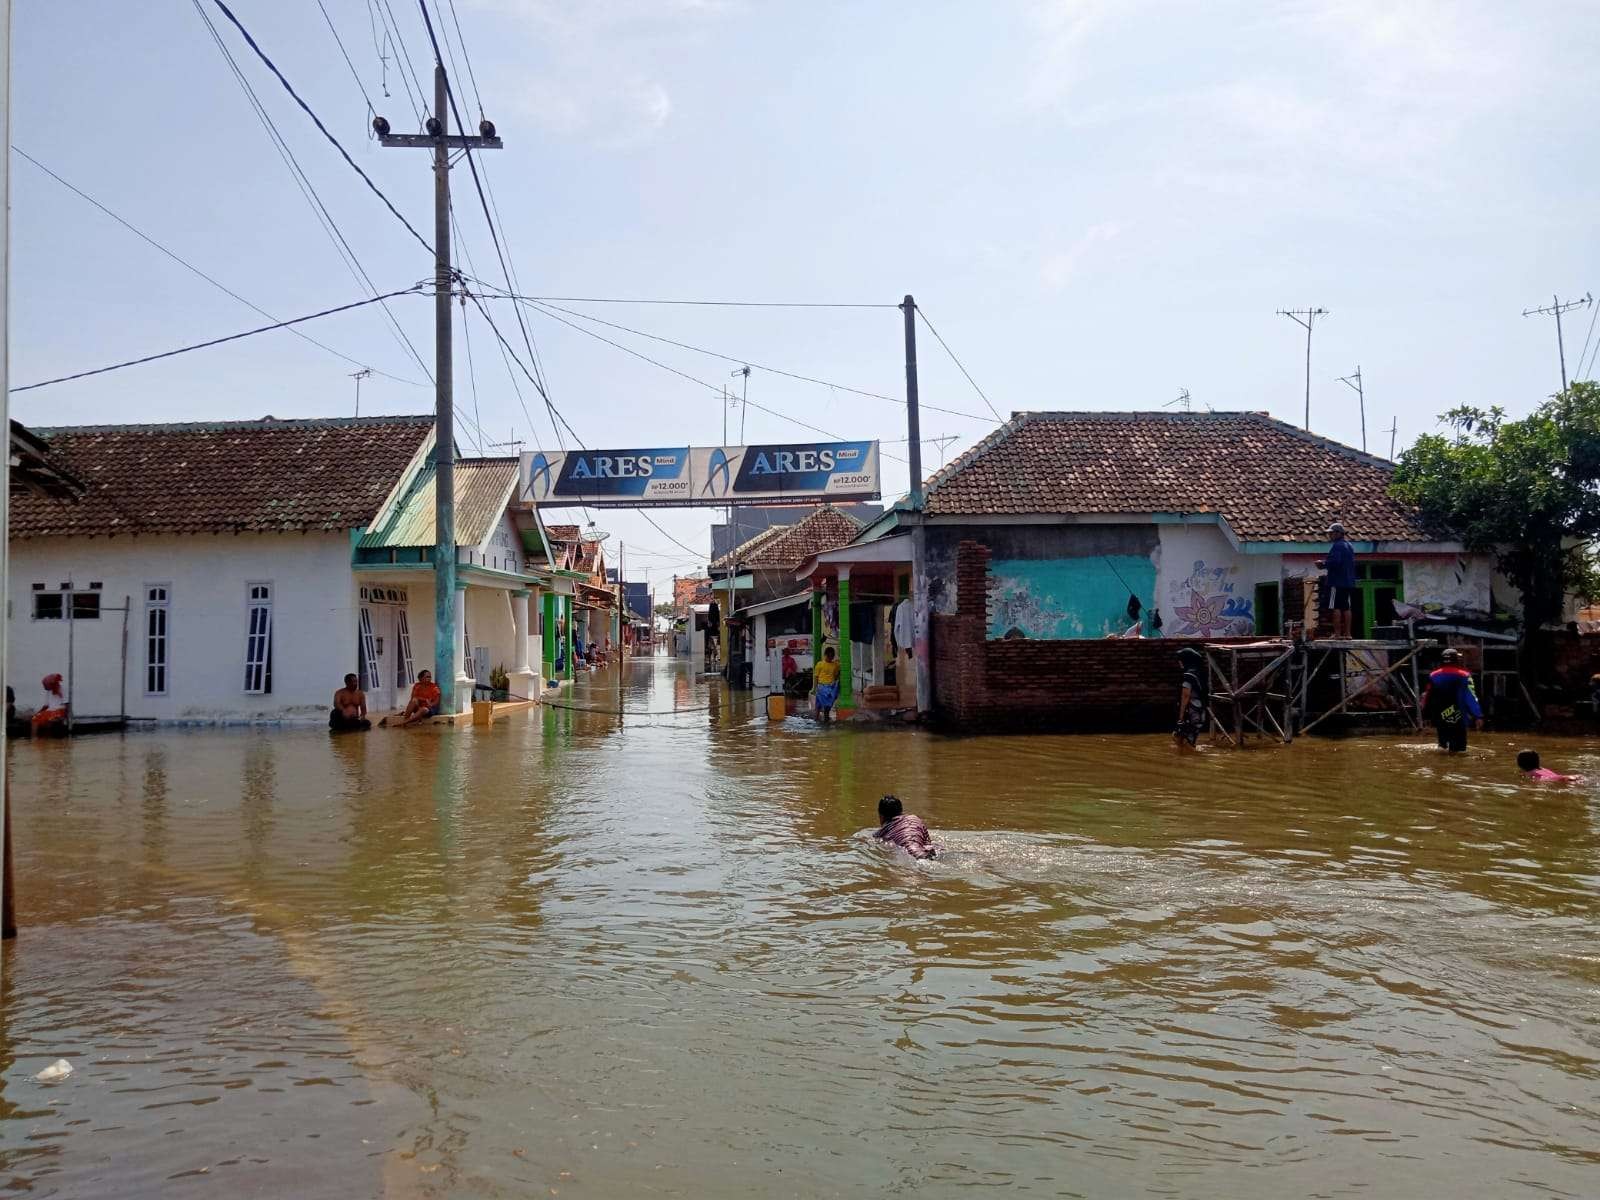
(1212, 607)
(1203, 615)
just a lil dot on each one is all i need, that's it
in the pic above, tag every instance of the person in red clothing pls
(903, 829)
(1451, 703)
(425, 700)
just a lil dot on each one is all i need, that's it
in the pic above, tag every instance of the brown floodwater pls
(581, 956)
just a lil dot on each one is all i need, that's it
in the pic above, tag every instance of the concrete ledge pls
(501, 710)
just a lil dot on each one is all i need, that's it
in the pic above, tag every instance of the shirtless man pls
(349, 707)
(903, 829)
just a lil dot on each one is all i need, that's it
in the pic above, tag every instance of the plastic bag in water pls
(59, 1069)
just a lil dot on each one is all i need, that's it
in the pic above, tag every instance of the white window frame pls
(404, 674)
(258, 638)
(63, 598)
(153, 605)
(367, 646)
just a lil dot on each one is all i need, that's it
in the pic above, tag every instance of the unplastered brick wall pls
(1022, 684)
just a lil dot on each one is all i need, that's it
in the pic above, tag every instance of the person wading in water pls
(1194, 699)
(1451, 703)
(903, 829)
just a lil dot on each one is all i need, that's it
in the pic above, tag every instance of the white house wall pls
(314, 622)
(1206, 588)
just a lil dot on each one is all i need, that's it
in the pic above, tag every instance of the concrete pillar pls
(464, 681)
(920, 619)
(547, 634)
(523, 681)
(846, 686)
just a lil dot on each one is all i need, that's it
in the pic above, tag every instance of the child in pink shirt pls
(1528, 764)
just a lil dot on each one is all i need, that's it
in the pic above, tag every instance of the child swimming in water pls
(1528, 764)
(903, 829)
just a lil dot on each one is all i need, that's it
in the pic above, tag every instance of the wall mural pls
(1206, 604)
(1066, 597)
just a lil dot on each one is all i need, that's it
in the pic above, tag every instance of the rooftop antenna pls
(1555, 308)
(514, 445)
(358, 376)
(1306, 317)
(1354, 380)
(942, 442)
(1394, 428)
(1182, 399)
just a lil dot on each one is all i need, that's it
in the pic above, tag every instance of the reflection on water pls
(653, 955)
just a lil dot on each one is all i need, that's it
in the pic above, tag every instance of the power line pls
(354, 74)
(700, 303)
(316, 120)
(1555, 309)
(477, 183)
(467, 58)
(232, 337)
(189, 266)
(655, 337)
(692, 379)
(957, 362)
(403, 58)
(302, 181)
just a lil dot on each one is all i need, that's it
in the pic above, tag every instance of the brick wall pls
(1023, 685)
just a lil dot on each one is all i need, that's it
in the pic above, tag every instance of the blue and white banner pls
(789, 472)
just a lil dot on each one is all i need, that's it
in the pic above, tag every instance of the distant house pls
(1178, 525)
(235, 571)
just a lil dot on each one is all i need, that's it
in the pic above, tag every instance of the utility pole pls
(1353, 380)
(1555, 308)
(8, 916)
(1306, 317)
(438, 138)
(913, 416)
(358, 376)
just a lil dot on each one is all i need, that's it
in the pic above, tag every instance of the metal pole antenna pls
(1555, 308)
(439, 139)
(1394, 428)
(358, 376)
(913, 415)
(1306, 317)
(1353, 380)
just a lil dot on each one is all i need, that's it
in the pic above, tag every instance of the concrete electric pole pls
(441, 141)
(1306, 317)
(1555, 308)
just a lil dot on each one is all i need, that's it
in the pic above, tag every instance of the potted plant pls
(499, 684)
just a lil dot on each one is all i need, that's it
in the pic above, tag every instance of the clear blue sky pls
(1097, 204)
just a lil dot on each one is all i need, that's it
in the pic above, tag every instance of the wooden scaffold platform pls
(1270, 688)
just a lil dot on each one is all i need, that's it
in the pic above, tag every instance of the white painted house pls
(236, 571)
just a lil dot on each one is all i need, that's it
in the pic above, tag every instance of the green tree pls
(1527, 491)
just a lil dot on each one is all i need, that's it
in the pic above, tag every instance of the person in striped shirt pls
(905, 830)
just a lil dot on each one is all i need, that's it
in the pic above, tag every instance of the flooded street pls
(580, 955)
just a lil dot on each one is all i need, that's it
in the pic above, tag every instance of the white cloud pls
(1058, 269)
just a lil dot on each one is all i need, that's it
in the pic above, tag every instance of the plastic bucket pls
(482, 712)
(777, 707)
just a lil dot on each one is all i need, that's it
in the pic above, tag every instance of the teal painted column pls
(445, 651)
(816, 625)
(845, 688)
(566, 604)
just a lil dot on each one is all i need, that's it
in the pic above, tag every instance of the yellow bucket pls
(777, 707)
(482, 712)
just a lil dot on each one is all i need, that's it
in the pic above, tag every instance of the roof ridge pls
(259, 423)
(995, 437)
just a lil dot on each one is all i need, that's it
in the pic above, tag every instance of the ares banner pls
(681, 476)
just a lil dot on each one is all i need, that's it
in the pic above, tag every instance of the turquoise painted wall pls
(1067, 597)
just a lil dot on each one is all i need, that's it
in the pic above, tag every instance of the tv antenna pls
(1555, 308)
(1182, 399)
(1353, 380)
(358, 376)
(1306, 317)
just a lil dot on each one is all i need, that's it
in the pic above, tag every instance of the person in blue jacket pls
(1341, 567)
(1451, 702)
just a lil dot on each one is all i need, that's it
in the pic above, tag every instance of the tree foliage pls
(1526, 490)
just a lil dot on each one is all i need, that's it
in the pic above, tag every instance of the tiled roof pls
(785, 547)
(1267, 479)
(266, 476)
(562, 533)
(482, 487)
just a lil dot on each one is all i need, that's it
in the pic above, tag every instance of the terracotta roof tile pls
(1268, 480)
(266, 476)
(787, 546)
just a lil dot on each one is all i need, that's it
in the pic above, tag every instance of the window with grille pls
(48, 606)
(368, 647)
(157, 621)
(85, 606)
(258, 641)
(404, 677)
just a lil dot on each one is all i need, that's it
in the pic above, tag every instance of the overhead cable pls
(232, 337)
(702, 303)
(288, 87)
(189, 266)
(957, 362)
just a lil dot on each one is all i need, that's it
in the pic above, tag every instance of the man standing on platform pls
(1341, 567)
